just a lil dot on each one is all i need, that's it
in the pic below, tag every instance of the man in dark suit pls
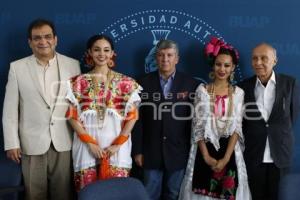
(161, 138)
(271, 107)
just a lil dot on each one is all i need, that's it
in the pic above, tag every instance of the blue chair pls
(114, 189)
(10, 181)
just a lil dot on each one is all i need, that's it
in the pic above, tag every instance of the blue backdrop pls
(136, 25)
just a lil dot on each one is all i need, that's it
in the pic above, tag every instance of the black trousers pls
(264, 181)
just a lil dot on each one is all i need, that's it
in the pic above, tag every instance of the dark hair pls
(94, 38)
(37, 23)
(224, 51)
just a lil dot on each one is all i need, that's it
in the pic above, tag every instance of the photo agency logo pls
(162, 24)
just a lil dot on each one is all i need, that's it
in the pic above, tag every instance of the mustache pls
(49, 44)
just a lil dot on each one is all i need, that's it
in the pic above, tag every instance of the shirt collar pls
(170, 77)
(272, 80)
(51, 62)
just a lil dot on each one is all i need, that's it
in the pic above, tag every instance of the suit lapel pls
(157, 85)
(175, 84)
(251, 99)
(277, 96)
(62, 78)
(31, 65)
(252, 90)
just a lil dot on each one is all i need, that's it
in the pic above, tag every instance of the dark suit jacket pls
(163, 140)
(278, 128)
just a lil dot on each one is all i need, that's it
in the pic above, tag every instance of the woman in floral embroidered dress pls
(102, 113)
(216, 168)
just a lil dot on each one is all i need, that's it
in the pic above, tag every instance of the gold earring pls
(231, 78)
(112, 62)
(212, 75)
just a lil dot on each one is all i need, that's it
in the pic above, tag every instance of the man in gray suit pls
(35, 131)
(271, 107)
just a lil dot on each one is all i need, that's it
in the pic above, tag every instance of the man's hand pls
(14, 154)
(139, 160)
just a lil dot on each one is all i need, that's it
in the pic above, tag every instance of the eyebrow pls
(100, 47)
(42, 34)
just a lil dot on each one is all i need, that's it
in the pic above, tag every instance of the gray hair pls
(269, 46)
(167, 44)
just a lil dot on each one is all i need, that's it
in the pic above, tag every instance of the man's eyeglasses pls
(38, 38)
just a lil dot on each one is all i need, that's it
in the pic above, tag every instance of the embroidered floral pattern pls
(85, 177)
(88, 176)
(119, 172)
(223, 179)
(120, 89)
(219, 175)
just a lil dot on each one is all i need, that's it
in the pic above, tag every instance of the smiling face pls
(43, 42)
(263, 61)
(223, 67)
(101, 52)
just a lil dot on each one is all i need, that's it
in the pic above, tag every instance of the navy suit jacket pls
(163, 138)
(278, 128)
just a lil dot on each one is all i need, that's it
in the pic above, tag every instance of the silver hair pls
(268, 45)
(167, 44)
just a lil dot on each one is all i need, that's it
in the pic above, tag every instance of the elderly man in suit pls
(271, 107)
(161, 138)
(35, 131)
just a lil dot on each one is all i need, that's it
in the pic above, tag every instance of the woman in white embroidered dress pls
(216, 168)
(102, 114)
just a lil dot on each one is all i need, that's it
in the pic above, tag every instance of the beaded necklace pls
(101, 107)
(211, 92)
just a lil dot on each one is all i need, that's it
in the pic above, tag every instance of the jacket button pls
(48, 107)
(51, 123)
(164, 137)
(267, 125)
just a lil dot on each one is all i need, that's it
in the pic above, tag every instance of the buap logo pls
(150, 62)
(162, 24)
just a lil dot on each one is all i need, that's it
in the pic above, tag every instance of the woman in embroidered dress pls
(216, 168)
(102, 113)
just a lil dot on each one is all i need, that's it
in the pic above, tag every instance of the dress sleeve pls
(134, 99)
(70, 94)
(200, 115)
(239, 112)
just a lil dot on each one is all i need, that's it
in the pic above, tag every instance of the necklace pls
(101, 105)
(211, 92)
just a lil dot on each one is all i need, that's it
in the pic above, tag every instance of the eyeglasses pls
(38, 38)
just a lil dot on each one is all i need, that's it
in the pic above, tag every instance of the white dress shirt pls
(48, 79)
(265, 97)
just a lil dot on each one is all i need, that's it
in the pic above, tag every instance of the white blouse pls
(204, 125)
